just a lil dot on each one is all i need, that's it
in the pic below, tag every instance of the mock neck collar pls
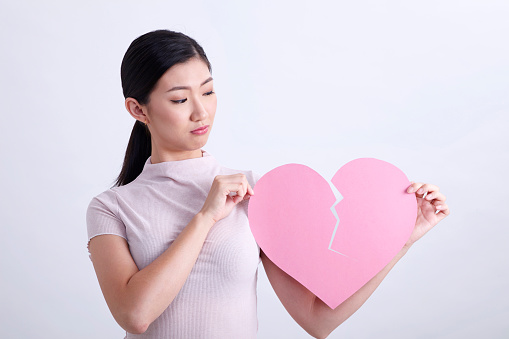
(192, 168)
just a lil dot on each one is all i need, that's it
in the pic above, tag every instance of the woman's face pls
(182, 101)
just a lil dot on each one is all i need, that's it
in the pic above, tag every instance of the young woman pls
(170, 242)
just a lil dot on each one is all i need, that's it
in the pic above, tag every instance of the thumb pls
(237, 199)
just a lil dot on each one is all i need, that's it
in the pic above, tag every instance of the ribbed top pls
(180, 169)
(218, 300)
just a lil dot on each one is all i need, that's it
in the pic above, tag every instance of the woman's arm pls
(312, 314)
(137, 297)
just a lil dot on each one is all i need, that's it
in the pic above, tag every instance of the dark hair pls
(148, 57)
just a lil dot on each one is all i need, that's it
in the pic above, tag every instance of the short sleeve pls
(102, 217)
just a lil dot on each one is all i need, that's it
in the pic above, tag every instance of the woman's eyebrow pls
(176, 88)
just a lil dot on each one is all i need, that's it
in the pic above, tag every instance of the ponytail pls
(148, 57)
(137, 153)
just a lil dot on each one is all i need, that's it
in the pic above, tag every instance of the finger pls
(234, 182)
(424, 189)
(436, 203)
(245, 184)
(431, 196)
(239, 199)
(242, 189)
(443, 210)
(235, 189)
(236, 199)
(250, 190)
(414, 186)
(247, 195)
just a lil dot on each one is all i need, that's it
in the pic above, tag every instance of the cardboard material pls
(292, 219)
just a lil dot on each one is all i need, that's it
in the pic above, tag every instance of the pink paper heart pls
(292, 221)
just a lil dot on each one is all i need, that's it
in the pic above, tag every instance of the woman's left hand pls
(426, 209)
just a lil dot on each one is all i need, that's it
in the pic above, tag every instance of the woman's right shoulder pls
(103, 217)
(106, 198)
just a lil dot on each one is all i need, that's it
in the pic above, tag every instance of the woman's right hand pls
(219, 202)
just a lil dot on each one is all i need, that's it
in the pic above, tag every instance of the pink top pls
(218, 299)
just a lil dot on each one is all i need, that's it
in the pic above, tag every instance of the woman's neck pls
(157, 157)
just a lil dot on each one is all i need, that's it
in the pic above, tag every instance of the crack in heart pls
(373, 218)
(339, 198)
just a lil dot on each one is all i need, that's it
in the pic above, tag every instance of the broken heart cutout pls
(292, 219)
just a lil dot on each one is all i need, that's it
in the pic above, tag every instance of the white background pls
(423, 85)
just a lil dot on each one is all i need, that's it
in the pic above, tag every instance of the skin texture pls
(136, 298)
(172, 115)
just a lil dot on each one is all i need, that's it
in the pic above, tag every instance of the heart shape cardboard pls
(291, 217)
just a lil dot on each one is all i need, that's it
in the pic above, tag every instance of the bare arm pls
(137, 297)
(312, 314)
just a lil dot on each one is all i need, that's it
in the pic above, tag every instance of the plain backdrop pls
(421, 84)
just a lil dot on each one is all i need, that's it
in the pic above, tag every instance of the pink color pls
(291, 219)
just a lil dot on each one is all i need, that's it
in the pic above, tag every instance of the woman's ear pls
(137, 110)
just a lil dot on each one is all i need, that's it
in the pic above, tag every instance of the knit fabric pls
(218, 299)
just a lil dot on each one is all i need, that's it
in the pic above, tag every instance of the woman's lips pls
(201, 130)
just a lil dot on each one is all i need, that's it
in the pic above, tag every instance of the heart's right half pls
(292, 221)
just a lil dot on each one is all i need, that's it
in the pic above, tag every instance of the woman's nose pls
(199, 110)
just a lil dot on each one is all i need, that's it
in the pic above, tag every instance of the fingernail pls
(439, 207)
(410, 189)
(420, 191)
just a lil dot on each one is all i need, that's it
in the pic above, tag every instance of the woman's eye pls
(209, 93)
(180, 101)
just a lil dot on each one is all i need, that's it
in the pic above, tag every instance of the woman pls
(171, 244)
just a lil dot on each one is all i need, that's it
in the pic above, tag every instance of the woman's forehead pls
(191, 73)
